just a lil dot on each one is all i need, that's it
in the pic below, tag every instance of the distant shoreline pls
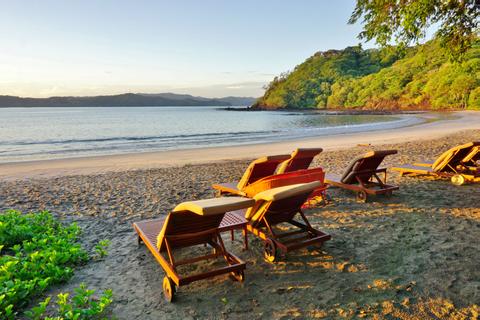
(332, 111)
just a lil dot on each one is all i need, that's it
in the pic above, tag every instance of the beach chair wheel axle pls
(168, 289)
(458, 180)
(362, 196)
(270, 251)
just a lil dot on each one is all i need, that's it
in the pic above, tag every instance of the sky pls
(211, 48)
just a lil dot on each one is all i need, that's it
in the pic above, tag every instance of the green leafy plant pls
(37, 251)
(101, 248)
(83, 305)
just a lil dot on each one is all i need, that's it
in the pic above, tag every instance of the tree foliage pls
(309, 85)
(423, 78)
(406, 21)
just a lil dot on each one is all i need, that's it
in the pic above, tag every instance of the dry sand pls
(412, 256)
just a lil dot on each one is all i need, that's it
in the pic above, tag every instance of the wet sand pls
(412, 256)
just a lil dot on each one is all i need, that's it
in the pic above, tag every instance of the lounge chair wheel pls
(270, 251)
(458, 180)
(362, 196)
(168, 289)
(238, 276)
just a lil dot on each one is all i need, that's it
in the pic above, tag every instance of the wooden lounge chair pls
(257, 169)
(282, 205)
(300, 159)
(458, 163)
(190, 224)
(466, 155)
(362, 177)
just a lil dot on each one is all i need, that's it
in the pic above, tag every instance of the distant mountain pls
(124, 100)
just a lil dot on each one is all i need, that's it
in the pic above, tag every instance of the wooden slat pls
(319, 239)
(209, 274)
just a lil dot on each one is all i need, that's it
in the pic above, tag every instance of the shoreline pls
(339, 111)
(435, 128)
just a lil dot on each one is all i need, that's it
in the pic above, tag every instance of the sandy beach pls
(411, 256)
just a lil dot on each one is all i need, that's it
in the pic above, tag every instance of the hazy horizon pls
(211, 48)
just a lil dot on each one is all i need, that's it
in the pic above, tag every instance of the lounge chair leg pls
(362, 196)
(238, 276)
(270, 251)
(245, 239)
(168, 289)
(458, 180)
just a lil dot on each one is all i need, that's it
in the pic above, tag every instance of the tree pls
(406, 21)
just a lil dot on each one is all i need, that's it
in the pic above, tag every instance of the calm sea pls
(46, 133)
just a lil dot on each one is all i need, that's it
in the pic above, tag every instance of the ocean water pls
(47, 133)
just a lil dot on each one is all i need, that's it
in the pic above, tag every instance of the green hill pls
(423, 78)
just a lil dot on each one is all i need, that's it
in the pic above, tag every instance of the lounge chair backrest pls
(196, 218)
(452, 157)
(261, 168)
(474, 155)
(285, 179)
(186, 222)
(300, 159)
(280, 204)
(363, 167)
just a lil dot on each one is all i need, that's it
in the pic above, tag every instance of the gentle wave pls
(180, 136)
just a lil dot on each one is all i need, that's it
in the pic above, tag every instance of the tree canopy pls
(422, 78)
(406, 21)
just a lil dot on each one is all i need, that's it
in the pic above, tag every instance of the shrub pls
(37, 252)
(82, 305)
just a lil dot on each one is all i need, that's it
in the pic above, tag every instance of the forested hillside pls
(421, 78)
